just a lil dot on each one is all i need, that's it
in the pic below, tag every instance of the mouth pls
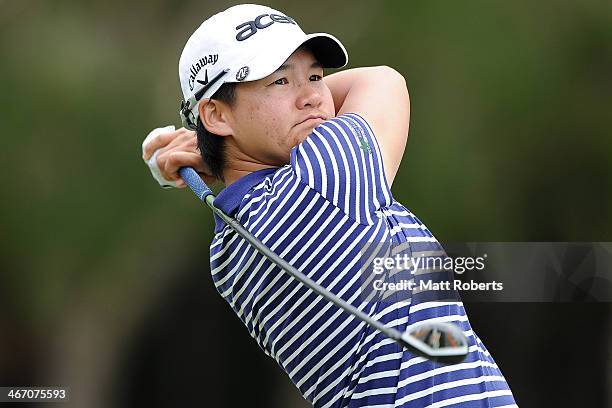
(312, 118)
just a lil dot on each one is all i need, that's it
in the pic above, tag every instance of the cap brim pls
(327, 49)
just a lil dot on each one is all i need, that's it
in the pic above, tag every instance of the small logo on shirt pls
(364, 145)
(363, 142)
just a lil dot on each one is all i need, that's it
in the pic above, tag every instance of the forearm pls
(341, 83)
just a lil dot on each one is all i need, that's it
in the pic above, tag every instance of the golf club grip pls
(195, 183)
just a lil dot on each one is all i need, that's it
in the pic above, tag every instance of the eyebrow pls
(286, 67)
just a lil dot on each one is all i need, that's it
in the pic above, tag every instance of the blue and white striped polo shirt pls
(317, 213)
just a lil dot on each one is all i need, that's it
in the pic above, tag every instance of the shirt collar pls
(230, 198)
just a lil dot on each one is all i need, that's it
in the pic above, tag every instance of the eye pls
(281, 81)
(316, 77)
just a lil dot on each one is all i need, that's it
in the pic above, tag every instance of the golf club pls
(437, 341)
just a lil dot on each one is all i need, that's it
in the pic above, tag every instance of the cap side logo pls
(242, 73)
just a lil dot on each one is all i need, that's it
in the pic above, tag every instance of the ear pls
(214, 116)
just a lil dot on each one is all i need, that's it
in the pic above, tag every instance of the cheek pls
(274, 119)
(259, 123)
(328, 103)
(265, 132)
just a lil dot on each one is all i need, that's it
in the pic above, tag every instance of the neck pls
(239, 164)
(233, 174)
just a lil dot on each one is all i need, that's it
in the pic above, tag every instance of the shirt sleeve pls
(341, 160)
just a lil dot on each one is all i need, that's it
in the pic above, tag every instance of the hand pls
(177, 149)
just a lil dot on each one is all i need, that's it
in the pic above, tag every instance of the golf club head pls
(441, 342)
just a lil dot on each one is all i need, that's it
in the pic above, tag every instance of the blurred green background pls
(510, 116)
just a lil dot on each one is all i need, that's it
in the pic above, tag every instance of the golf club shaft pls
(197, 185)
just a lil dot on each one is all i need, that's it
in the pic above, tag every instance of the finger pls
(159, 142)
(181, 156)
(175, 160)
(196, 162)
(185, 141)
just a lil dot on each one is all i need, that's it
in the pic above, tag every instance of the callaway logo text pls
(249, 28)
(198, 65)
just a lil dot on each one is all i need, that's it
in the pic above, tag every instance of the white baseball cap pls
(246, 42)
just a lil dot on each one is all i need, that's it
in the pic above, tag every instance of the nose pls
(309, 95)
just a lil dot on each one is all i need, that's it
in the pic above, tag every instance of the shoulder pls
(352, 124)
(339, 137)
(342, 161)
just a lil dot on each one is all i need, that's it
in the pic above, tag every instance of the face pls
(272, 115)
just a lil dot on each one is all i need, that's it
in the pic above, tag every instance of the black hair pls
(212, 146)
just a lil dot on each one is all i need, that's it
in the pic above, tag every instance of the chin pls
(302, 136)
(309, 130)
